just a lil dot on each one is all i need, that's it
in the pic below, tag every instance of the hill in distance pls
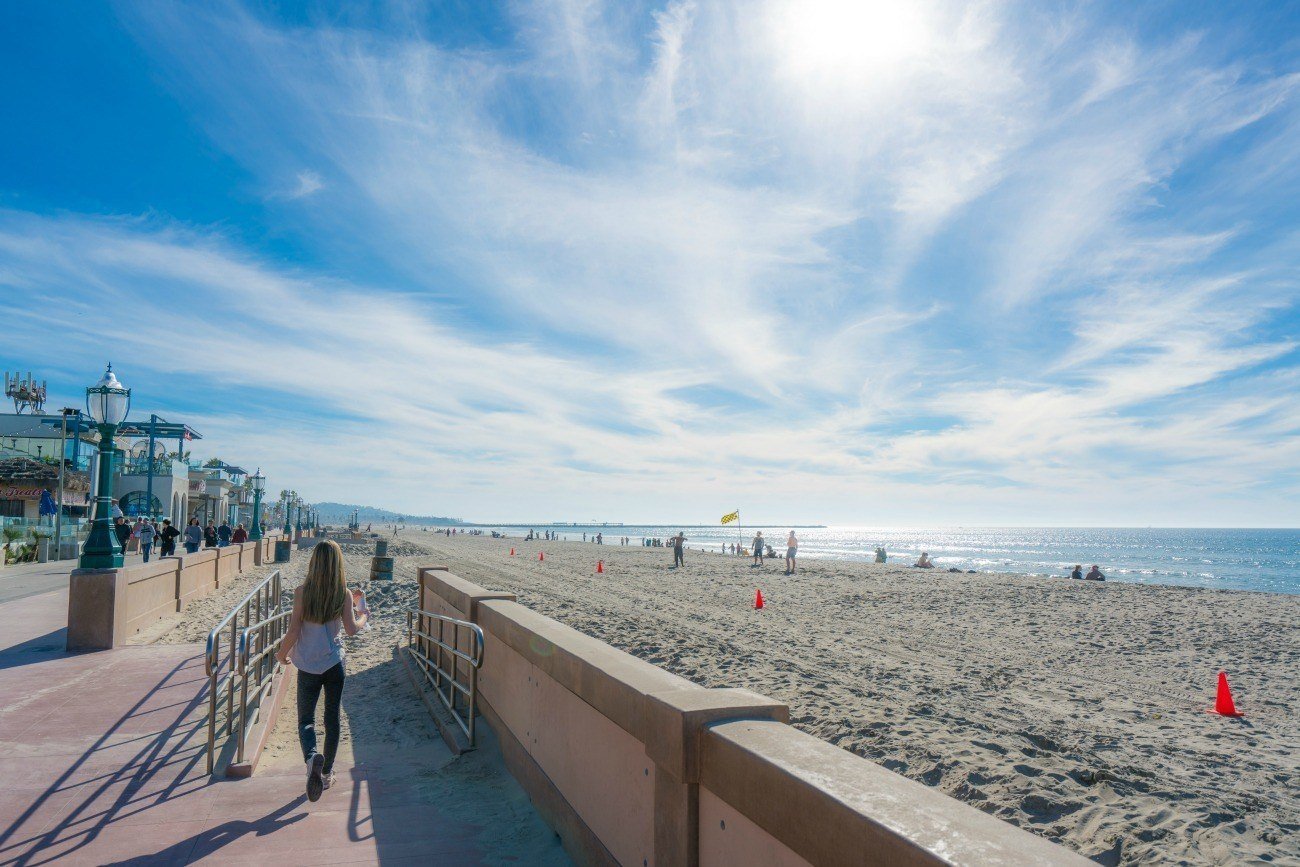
(341, 513)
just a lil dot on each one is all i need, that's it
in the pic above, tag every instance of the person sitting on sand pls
(1077, 572)
(791, 552)
(758, 548)
(880, 555)
(925, 562)
(322, 608)
(1094, 574)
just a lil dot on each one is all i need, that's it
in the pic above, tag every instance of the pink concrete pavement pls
(102, 762)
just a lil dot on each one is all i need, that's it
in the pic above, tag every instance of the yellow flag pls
(734, 516)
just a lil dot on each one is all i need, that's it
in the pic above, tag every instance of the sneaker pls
(315, 782)
(328, 780)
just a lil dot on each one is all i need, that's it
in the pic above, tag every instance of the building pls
(30, 446)
(24, 480)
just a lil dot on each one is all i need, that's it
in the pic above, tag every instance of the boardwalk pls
(102, 760)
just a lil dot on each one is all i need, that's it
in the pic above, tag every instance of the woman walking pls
(322, 610)
(193, 536)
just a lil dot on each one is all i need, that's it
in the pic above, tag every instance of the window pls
(133, 506)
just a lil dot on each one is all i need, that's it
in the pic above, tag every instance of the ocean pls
(1261, 560)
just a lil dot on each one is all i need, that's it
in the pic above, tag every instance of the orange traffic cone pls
(600, 566)
(758, 599)
(512, 552)
(540, 556)
(1223, 703)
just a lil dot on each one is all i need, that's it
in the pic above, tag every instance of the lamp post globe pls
(259, 485)
(108, 402)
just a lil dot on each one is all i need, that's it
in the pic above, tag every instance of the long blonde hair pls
(325, 590)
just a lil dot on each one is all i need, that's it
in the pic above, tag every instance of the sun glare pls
(849, 37)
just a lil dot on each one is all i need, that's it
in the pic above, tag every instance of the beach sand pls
(1075, 710)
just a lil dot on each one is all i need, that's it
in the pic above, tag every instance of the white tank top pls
(319, 647)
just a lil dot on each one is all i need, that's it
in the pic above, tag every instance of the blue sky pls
(840, 262)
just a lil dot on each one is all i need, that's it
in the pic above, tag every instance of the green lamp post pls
(259, 485)
(298, 520)
(288, 514)
(108, 403)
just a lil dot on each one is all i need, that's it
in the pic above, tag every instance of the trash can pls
(282, 550)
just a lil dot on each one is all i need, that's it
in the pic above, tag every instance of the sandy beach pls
(1072, 709)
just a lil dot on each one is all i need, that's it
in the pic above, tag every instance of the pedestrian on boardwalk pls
(167, 537)
(240, 535)
(679, 549)
(145, 533)
(210, 535)
(123, 531)
(193, 536)
(323, 608)
(223, 534)
(758, 548)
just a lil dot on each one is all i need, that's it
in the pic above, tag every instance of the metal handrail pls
(261, 609)
(267, 634)
(436, 671)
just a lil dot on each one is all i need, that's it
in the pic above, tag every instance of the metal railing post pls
(250, 653)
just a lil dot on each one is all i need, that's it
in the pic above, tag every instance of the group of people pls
(1094, 574)
(152, 532)
(760, 549)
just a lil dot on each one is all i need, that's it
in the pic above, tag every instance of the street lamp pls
(298, 522)
(288, 517)
(108, 403)
(259, 485)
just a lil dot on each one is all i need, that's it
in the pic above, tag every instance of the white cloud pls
(934, 255)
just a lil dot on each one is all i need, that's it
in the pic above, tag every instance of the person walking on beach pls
(758, 548)
(167, 538)
(240, 536)
(323, 608)
(193, 536)
(880, 555)
(791, 552)
(223, 534)
(679, 549)
(210, 535)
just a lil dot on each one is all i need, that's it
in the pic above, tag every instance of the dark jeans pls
(679, 558)
(167, 549)
(145, 548)
(309, 687)
(191, 547)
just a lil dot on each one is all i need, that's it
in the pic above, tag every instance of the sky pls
(830, 262)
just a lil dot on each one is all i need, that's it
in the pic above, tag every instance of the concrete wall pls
(108, 606)
(634, 765)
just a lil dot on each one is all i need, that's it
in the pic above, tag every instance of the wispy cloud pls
(939, 262)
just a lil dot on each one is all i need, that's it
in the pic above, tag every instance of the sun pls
(849, 37)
